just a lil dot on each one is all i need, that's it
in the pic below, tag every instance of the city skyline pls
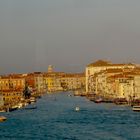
(67, 34)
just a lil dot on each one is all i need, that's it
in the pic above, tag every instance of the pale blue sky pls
(68, 34)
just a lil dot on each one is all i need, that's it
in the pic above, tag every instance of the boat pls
(34, 107)
(135, 102)
(2, 118)
(77, 108)
(3, 110)
(32, 100)
(13, 108)
(69, 95)
(20, 105)
(77, 93)
(99, 100)
(136, 108)
(39, 96)
(120, 101)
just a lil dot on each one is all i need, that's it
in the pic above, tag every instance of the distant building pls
(35, 82)
(52, 81)
(60, 81)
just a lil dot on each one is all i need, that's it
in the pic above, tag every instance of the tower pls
(50, 68)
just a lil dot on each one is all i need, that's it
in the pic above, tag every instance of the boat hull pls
(136, 108)
(2, 118)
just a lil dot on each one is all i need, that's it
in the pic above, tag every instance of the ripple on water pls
(57, 119)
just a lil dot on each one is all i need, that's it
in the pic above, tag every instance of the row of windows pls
(11, 94)
(10, 99)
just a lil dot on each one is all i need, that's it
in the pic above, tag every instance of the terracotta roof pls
(100, 63)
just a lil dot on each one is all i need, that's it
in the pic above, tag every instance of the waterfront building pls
(11, 96)
(1, 99)
(125, 85)
(121, 86)
(60, 81)
(137, 86)
(35, 82)
(13, 81)
(52, 81)
(39, 82)
(73, 81)
(99, 66)
(11, 88)
(116, 83)
(99, 81)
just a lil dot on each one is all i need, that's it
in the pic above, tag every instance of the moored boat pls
(13, 108)
(28, 108)
(2, 118)
(98, 100)
(120, 101)
(136, 108)
(32, 99)
(3, 110)
(77, 93)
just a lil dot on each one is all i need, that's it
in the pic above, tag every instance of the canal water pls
(56, 119)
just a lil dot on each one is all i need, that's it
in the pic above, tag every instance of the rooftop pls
(101, 63)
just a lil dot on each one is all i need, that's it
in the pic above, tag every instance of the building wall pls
(137, 86)
(92, 70)
(11, 96)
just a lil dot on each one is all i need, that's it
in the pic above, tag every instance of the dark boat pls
(13, 108)
(135, 102)
(120, 101)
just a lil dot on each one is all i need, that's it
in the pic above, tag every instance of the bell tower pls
(50, 69)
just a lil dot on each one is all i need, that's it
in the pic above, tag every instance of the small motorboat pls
(2, 118)
(77, 108)
(136, 108)
(69, 95)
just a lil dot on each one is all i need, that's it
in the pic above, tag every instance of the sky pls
(68, 34)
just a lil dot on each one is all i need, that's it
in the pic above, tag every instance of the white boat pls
(136, 108)
(32, 99)
(31, 107)
(77, 108)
